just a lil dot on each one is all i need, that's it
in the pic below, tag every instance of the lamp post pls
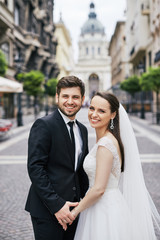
(19, 63)
(142, 106)
(142, 113)
(46, 94)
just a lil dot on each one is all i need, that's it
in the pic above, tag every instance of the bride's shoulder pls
(109, 136)
(108, 141)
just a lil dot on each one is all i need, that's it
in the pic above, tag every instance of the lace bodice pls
(90, 163)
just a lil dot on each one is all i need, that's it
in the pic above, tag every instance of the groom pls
(55, 164)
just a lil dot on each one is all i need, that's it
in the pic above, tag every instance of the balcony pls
(145, 10)
(6, 18)
(39, 14)
(48, 28)
(157, 57)
(136, 54)
(43, 53)
(132, 51)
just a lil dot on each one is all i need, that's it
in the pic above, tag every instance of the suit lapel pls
(84, 144)
(66, 135)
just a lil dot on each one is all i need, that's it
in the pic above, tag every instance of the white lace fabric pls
(116, 167)
(90, 163)
(126, 210)
(109, 218)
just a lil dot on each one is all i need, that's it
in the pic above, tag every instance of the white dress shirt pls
(77, 136)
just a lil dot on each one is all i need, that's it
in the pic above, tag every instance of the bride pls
(117, 205)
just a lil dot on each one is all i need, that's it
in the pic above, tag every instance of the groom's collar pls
(65, 118)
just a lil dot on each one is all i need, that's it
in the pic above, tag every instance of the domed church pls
(93, 65)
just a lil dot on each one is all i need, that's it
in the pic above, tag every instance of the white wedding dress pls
(129, 214)
(109, 218)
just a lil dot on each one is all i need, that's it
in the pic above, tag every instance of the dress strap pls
(108, 143)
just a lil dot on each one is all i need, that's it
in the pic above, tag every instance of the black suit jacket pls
(51, 167)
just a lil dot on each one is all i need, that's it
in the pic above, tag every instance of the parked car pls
(5, 126)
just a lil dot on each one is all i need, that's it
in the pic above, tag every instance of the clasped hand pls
(65, 216)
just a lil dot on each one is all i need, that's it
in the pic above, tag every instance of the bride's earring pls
(112, 124)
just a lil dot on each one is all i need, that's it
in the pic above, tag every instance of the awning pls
(9, 86)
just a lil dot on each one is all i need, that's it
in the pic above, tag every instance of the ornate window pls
(31, 20)
(93, 84)
(92, 51)
(40, 4)
(6, 2)
(42, 35)
(18, 54)
(5, 49)
(16, 14)
(150, 58)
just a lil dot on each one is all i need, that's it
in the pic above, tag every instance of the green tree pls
(50, 90)
(51, 86)
(3, 64)
(151, 81)
(33, 84)
(131, 85)
(20, 77)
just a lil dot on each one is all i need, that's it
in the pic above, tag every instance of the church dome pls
(92, 25)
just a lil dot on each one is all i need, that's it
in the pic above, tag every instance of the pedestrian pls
(57, 146)
(105, 211)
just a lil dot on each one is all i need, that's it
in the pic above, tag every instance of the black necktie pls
(72, 138)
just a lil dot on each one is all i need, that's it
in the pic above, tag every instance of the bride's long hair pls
(114, 106)
(143, 212)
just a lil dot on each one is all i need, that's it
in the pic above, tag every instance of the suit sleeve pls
(38, 151)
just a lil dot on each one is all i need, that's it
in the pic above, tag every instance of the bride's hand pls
(74, 213)
(64, 224)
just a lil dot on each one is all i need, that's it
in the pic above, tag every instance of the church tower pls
(93, 65)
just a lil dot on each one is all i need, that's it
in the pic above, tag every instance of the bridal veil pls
(143, 211)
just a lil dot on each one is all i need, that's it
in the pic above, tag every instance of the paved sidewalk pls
(27, 119)
(147, 121)
(15, 223)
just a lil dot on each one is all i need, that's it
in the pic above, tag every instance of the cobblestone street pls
(14, 181)
(14, 221)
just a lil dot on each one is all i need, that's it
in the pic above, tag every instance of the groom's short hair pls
(69, 82)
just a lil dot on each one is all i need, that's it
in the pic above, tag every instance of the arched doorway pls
(93, 84)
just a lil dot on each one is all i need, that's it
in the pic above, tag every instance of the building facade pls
(6, 45)
(28, 42)
(141, 32)
(64, 53)
(143, 40)
(35, 42)
(117, 51)
(119, 65)
(6, 32)
(93, 65)
(154, 15)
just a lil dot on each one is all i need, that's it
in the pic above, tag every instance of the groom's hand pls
(64, 216)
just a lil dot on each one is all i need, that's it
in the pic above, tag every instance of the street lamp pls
(141, 67)
(46, 94)
(142, 106)
(19, 62)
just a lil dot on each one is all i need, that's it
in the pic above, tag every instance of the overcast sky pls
(75, 14)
